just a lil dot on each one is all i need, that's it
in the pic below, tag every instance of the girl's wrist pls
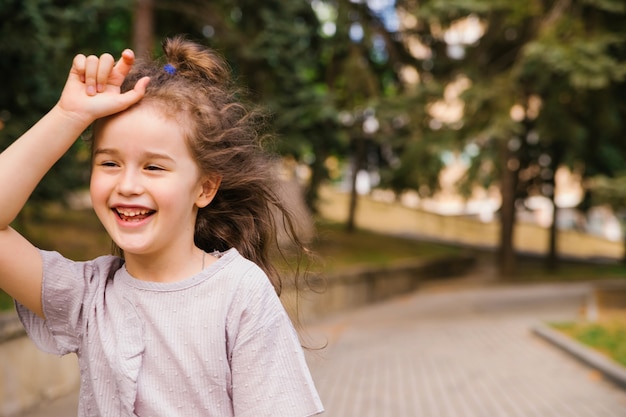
(71, 120)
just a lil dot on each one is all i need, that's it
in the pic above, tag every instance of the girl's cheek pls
(96, 189)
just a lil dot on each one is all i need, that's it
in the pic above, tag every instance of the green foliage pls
(554, 53)
(416, 167)
(572, 59)
(38, 39)
(282, 62)
(613, 6)
(586, 62)
(6, 302)
(448, 10)
(546, 87)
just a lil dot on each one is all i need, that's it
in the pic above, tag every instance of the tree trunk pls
(143, 30)
(624, 241)
(318, 175)
(506, 251)
(552, 260)
(319, 172)
(357, 164)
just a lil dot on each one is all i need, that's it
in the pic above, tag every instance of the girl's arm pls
(92, 91)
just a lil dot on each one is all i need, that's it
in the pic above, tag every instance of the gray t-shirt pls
(216, 344)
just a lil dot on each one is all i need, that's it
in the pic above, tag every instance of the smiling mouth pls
(133, 215)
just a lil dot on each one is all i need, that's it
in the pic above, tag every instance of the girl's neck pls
(167, 267)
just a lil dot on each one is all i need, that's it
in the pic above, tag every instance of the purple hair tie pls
(169, 69)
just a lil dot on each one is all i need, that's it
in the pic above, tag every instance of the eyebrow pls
(147, 155)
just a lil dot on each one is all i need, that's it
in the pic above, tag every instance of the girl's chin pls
(131, 248)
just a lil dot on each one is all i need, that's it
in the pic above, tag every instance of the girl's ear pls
(210, 186)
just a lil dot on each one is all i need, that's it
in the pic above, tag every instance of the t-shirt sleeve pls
(270, 376)
(66, 290)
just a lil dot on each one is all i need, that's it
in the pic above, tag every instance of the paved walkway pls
(450, 351)
(459, 353)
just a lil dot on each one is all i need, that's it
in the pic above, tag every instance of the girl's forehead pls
(141, 127)
(140, 118)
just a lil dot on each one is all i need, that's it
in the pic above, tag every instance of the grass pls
(338, 249)
(607, 336)
(532, 269)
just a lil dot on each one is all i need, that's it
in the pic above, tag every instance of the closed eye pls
(154, 168)
(108, 164)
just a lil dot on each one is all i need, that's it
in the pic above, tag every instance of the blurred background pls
(409, 129)
(502, 112)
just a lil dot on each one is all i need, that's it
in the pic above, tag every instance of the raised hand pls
(92, 89)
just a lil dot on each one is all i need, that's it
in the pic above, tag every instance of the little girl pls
(187, 322)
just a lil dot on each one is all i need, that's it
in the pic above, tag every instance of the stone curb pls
(603, 364)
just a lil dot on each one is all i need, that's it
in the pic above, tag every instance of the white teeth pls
(132, 213)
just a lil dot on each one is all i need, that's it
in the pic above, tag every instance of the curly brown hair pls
(194, 87)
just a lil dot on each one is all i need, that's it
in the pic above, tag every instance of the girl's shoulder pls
(242, 275)
(234, 264)
(101, 267)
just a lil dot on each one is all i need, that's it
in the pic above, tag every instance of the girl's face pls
(146, 187)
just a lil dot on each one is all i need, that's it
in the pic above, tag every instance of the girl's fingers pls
(141, 85)
(91, 73)
(105, 65)
(78, 66)
(98, 72)
(125, 63)
(93, 86)
(133, 96)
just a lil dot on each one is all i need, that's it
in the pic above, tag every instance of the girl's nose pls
(130, 183)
